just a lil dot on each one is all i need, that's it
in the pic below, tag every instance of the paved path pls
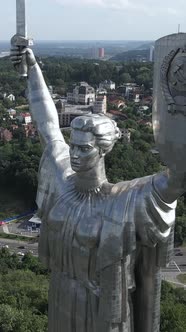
(172, 278)
(14, 246)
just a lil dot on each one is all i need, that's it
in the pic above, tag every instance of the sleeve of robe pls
(155, 240)
(53, 171)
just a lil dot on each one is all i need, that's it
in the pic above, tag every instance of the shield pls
(169, 100)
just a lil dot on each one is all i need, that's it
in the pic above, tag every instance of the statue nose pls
(75, 153)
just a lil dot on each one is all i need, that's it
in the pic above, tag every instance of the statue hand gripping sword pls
(20, 41)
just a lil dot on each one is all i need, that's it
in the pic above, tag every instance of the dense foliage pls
(173, 309)
(23, 294)
(62, 72)
(127, 163)
(19, 161)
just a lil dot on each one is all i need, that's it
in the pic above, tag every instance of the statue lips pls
(75, 163)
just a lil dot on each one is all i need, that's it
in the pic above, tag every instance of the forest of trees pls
(23, 293)
(61, 73)
(19, 162)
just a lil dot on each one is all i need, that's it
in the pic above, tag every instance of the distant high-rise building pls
(100, 105)
(151, 55)
(101, 52)
(60, 106)
(94, 53)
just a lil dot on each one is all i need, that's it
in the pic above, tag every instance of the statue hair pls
(104, 129)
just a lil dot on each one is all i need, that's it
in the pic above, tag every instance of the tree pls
(23, 296)
(30, 262)
(180, 228)
(8, 316)
(173, 309)
(125, 78)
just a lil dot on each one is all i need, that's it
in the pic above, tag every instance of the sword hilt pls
(22, 42)
(23, 67)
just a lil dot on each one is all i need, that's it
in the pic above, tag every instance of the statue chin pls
(75, 167)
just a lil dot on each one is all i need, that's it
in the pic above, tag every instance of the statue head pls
(92, 137)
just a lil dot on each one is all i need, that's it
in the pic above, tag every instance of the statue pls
(104, 243)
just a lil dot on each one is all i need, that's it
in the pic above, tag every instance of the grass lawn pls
(182, 278)
(10, 204)
(22, 108)
(17, 237)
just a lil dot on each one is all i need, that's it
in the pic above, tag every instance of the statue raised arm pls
(43, 110)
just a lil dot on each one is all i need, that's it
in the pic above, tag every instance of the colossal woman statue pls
(103, 243)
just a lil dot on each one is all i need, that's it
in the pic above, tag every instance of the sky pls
(95, 19)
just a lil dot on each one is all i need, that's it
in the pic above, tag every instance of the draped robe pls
(105, 249)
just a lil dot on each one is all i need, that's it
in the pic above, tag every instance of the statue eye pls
(86, 148)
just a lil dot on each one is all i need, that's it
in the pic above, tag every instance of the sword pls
(21, 39)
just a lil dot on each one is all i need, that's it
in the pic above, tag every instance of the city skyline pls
(96, 19)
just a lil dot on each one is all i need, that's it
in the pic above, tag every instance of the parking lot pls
(23, 227)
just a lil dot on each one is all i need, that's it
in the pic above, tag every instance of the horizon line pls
(88, 40)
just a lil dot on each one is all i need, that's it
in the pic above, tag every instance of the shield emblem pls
(169, 100)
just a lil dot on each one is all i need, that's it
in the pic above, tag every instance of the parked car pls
(20, 253)
(179, 253)
(21, 247)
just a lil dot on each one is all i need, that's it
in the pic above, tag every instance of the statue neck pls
(92, 179)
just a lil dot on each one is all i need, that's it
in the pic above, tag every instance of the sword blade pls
(21, 18)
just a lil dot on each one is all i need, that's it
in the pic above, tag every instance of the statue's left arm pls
(170, 185)
(155, 205)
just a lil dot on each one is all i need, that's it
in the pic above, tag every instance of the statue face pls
(84, 153)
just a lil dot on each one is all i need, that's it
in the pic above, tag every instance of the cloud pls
(117, 4)
(149, 7)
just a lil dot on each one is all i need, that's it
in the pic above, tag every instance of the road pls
(176, 267)
(14, 246)
(178, 263)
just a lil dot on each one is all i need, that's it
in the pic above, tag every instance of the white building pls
(34, 223)
(137, 98)
(10, 97)
(24, 118)
(69, 112)
(101, 91)
(11, 112)
(82, 94)
(108, 85)
(129, 89)
(100, 105)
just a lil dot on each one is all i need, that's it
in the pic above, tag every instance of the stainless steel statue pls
(104, 243)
